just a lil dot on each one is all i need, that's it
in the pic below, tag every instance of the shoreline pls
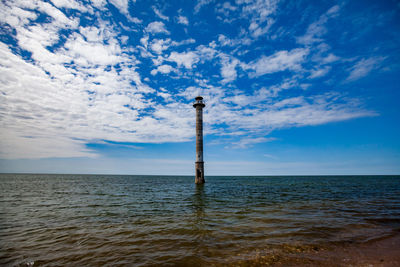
(383, 252)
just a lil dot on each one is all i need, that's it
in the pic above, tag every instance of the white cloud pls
(317, 29)
(262, 95)
(90, 87)
(159, 14)
(159, 45)
(183, 20)
(257, 30)
(58, 16)
(317, 110)
(46, 146)
(227, 11)
(121, 5)
(206, 53)
(15, 16)
(225, 8)
(333, 11)
(290, 102)
(93, 53)
(319, 72)
(329, 59)
(99, 3)
(167, 96)
(156, 27)
(200, 4)
(260, 113)
(164, 69)
(186, 59)
(144, 41)
(54, 107)
(56, 117)
(183, 42)
(363, 67)
(293, 112)
(260, 10)
(280, 61)
(225, 41)
(260, 13)
(250, 141)
(70, 4)
(228, 69)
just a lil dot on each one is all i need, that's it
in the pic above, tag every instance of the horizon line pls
(272, 175)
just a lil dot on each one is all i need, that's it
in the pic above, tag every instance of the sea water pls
(167, 220)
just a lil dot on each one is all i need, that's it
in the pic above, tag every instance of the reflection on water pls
(199, 203)
(149, 220)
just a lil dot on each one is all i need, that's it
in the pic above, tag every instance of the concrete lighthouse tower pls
(199, 164)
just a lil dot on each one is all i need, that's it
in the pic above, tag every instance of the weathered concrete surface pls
(199, 164)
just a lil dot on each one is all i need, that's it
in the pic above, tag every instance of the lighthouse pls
(199, 164)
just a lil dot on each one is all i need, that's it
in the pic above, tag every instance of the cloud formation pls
(74, 73)
(363, 67)
(279, 61)
(156, 27)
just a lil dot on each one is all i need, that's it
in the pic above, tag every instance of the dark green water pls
(98, 220)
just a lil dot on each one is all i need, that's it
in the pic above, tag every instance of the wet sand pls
(378, 252)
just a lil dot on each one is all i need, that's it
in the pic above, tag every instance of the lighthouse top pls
(199, 102)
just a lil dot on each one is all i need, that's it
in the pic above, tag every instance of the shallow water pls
(151, 220)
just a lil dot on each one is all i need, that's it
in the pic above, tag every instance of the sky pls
(291, 87)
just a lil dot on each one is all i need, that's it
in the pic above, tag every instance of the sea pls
(123, 220)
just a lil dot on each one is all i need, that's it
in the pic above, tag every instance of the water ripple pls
(81, 220)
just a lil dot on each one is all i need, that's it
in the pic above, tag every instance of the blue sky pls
(291, 87)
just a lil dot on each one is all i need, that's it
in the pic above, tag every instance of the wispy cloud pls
(200, 4)
(363, 67)
(319, 72)
(280, 61)
(261, 15)
(317, 29)
(159, 14)
(226, 11)
(248, 141)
